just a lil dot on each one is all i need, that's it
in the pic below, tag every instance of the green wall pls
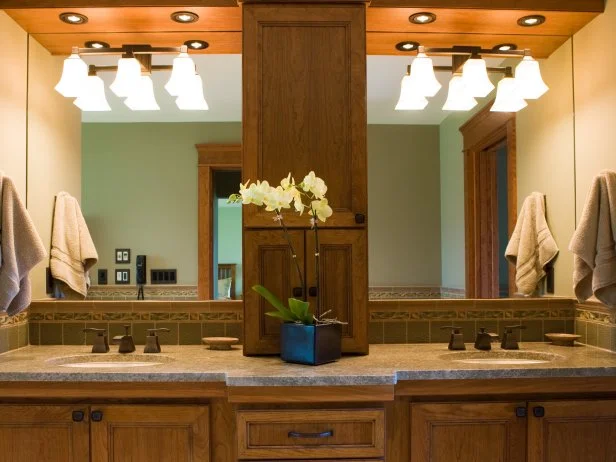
(139, 191)
(229, 232)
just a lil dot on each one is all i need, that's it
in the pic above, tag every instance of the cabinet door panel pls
(269, 262)
(43, 434)
(467, 432)
(151, 434)
(573, 431)
(305, 104)
(343, 275)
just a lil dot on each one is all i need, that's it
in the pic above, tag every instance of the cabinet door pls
(343, 273)
(44, 434)
(269, 262)
(572, 431)
(150, 433)
(304, 72)
(467, 432)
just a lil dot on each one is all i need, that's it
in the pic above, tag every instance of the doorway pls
(490, 202)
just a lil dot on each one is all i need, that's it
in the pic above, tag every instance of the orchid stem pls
(293, 254)
(316, 261)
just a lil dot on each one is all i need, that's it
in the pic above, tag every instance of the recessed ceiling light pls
(196, 44)
(505, 47)
(73, 18)
(97, 45)
(531, 21)
(422, 18)
(184, 17)
(407, 46)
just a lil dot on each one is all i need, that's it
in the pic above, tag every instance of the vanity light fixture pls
(196, 44)
(505, 47)
(74, 75)
(471, 79)
(184, 17)
(407, 46)
(425, 17)
(73, 18)
(132, 80)
(531, 21)
(96, 44)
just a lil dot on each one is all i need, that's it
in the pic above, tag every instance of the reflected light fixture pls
(508, 97)
(73, 18)
(529, 80)
(93, 97)
(475, 77)
(97, 45)
(505, 47)
(74, 75)
(192, 99)
(407, 46)
(142, 97)
(184, 17)
(422, 75)
(128, 77)
(459, 98)
(196, 44)
(425, 17)
(182, 74)
(531, 21)
(410, 98)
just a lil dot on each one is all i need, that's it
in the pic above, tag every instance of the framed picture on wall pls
(122, 256)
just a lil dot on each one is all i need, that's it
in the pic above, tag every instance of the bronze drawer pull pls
(326, 434)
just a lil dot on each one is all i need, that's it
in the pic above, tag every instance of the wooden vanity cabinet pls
(343, 275)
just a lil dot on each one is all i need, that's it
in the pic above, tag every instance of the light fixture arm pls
(470, 51)
(130, 50)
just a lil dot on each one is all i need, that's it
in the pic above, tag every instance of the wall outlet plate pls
(122, 255)
(102, 277)
(122, 276)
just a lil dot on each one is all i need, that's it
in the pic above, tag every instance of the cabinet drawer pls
(311, 434)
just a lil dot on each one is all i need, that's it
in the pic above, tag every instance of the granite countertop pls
(386, 365)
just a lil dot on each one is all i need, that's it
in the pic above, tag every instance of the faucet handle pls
(126, 329)
(509, 329)
(152, 332)
(100, 332)
(100, 344)
(455, 329)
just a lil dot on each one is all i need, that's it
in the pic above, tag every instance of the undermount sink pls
(111, 361)
(500, 357)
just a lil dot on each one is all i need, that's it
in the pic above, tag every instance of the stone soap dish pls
(220, 343)
(563, 339)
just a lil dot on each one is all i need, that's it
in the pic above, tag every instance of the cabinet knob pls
(313, 291)
(520, 411)
(539, 411)
(78, 416)
(298, 292)
(97, 416)
(360, 218)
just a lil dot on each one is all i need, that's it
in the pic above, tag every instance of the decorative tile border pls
(151, 292)
(413, 292)
(13, 332)
(596, 324)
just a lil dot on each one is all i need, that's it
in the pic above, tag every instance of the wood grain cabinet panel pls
(44, 434)
(572, 431)
(304, 74)
(467, 432)
(311, 434)
(150, 434)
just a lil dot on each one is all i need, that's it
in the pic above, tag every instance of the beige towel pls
(72, 250)
(22, 250)
(531, 246)
(594, 261)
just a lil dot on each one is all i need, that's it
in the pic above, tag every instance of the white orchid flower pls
(277, 199)
(287, 182)
(255, 193)
(315, 185)
(321, 209)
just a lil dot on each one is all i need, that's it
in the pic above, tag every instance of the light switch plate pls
(122, 276)
(122, 255)
(102, 277)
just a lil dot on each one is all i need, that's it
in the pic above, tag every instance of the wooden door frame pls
(212, 158)
(481, 132)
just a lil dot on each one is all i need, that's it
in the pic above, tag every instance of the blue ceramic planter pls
(312, 345)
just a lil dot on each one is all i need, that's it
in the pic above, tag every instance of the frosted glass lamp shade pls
(475, 76)
(422, 76)
(93, 97)
(459, 98)
(181, 75)
(74, 76)
(528, 77)
(410, 98)
(192, 98)
(508, 98)
(128, 77)
(142, 98)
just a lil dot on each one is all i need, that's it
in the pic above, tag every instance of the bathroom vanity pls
(402, 403)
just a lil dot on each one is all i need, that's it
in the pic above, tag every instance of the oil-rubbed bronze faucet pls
(151, 341)
(456, 341)
(127, 345)
(509, 341)
(484, 340)
(100, 345)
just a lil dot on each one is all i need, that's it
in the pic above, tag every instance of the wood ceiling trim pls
(475, 21)
(220, 42)
(383, 43)
(46, 21)
(548, 5)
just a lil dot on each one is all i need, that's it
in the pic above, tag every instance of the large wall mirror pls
(136, 174)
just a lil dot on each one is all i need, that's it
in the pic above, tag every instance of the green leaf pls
(286, 314)
(300, 309)
(281, 315)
